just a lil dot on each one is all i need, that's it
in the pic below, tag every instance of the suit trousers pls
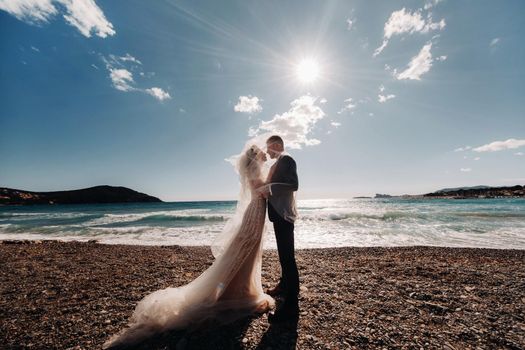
(284, 235)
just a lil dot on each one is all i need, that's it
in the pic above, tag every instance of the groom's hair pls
(275, 139)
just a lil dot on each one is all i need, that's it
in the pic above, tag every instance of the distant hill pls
(381, 195)
(479, 192)
(463, 188)
(96, 194)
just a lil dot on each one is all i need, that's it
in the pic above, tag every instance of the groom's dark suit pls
(282, 212)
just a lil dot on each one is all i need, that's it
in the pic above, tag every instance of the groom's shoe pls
(275, 291)
(289, 311)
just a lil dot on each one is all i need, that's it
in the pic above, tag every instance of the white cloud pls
(158, 93)
(370, 114)
(465, 170)
(349, 105)
(30, 11)
(129, 58)
(494, 41)
(87, 17)
(500, 145)
(402, 21)
(462, 149)
(115, 60)
(84, 15)
(519, 154)
(477, 158)
(380, 48)
(35, 49)
(248, 104)
(323, 100)
(418, 65)
(441, 58)
(384, 98)
(431, 4)
(121, 78)
(350, 23)
(295, 125)
(336, 124)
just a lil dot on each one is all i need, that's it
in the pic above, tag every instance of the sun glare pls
(307, 70)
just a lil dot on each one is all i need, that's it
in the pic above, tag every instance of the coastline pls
(489, 223)
(75, 295)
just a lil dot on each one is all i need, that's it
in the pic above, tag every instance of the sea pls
(322, 223)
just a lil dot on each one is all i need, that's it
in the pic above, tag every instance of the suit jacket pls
(283, 184)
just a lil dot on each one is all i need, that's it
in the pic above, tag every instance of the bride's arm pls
(260, 186)
(256, 183)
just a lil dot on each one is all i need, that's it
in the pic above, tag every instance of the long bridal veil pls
(245, 175)
(200, 300)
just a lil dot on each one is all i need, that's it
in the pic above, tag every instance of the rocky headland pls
(96, 194)
(479, 192)
(517, 191)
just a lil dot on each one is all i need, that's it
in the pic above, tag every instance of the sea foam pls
(489, 223)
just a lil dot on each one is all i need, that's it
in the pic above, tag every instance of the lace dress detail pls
(229, 289)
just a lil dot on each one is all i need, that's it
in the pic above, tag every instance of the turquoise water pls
(494, 223)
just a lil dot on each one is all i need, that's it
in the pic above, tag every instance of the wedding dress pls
(229, 289)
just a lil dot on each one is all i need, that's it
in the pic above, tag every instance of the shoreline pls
(28, 241)
(76, 294)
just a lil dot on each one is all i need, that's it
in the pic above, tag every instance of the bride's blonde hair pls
(249, 166)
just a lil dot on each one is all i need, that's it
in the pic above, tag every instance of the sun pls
(308, 70)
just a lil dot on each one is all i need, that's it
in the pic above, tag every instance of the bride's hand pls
(263, 191)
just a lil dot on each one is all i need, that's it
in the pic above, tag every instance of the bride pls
(231, 287)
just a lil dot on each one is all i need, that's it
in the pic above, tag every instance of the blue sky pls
(410, 96)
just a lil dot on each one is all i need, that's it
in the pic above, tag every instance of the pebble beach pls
(74, 295)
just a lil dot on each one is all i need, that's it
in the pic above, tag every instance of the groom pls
(282, 180)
